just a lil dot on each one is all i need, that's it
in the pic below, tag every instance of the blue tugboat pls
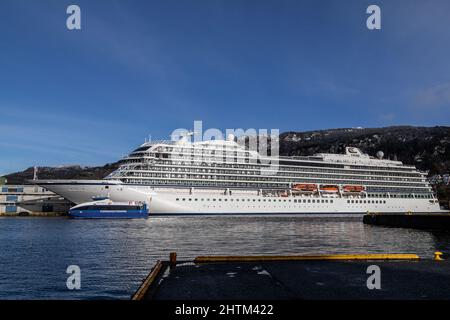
(107, 209)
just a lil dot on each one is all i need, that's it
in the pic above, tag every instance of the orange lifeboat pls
(329, 188)
(354, 188)
(305, 187)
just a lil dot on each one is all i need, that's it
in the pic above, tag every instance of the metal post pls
(173, 259)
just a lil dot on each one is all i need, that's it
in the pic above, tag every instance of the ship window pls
(295, 200)
(178, 199)
(110, 208)
(11, 198)
(331, 201)
(106, 187)
(304, 200)
(195, 199)
(184, 199)
(348, 201)
(190, 199)
(220, 199)
(10, 208)
(141, 149)
(309, 200)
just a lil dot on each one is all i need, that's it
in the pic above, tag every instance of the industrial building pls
(30, 200)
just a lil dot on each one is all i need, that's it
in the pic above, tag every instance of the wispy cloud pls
(51, 141)
(315, 81)
(61, 137)
(30, 115)
(436, 96)
(387, 117)
(325, 88)
(332, 87)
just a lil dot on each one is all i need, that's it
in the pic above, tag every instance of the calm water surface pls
(115, 255)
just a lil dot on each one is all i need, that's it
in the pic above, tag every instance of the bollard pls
(438, 256)
(173, 259)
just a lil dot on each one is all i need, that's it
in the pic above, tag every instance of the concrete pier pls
(410, 220)
(297, 277)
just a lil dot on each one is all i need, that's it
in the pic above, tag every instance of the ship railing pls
(161, 141)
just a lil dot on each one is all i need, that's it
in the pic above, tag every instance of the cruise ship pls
(225, 177)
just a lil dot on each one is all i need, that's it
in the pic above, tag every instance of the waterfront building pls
(27, 199)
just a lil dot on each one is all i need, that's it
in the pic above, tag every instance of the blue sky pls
(148, 67)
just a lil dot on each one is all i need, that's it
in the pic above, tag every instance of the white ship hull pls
(181, 201)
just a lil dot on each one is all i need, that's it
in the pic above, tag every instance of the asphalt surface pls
(323, 280)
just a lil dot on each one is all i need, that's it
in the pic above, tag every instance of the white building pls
(25, 199)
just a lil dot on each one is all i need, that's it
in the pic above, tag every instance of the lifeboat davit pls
(310, 187)
(329, 188)
(354, 188)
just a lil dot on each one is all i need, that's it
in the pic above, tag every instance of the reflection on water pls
(114, 255)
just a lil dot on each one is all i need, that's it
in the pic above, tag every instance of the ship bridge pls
(355, 156)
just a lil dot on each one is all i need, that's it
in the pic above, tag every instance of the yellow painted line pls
(376, 256)
(140, 293)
